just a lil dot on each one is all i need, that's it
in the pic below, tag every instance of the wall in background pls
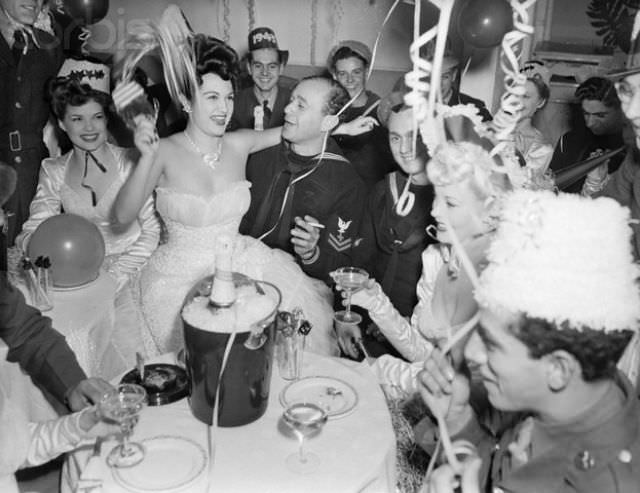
(291, 20)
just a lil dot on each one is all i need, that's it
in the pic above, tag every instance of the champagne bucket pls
(244, 387)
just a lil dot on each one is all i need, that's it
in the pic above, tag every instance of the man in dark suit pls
(261, 105)
(28, 58)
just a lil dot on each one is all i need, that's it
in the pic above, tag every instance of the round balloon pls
(89, 11)
(74, 246)
(483, 23)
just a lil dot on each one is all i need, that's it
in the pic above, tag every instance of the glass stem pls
(303, 457)
(125, 451)
(348, 310)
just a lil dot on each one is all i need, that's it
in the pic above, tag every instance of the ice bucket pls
(244, 388)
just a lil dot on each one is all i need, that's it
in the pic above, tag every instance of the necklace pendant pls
(211, 160)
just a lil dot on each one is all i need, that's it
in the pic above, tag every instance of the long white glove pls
(398, 378)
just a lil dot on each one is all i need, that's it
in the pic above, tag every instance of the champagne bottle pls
(223, 290)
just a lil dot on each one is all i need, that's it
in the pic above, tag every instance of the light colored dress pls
(26, 444)
(413, 339)
(536, 151)
(127, 249)
(193, 223)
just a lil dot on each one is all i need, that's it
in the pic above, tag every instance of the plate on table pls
(75, 288)
(164, 383)
(170, 464)
(337, 397)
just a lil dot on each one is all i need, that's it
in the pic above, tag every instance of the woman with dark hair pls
(348, 63)
(198, 176)
(85, 181)
(530, 142)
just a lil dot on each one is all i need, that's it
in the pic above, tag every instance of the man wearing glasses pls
(624, 184)
(261, 105)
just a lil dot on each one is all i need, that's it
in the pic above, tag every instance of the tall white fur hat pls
(563, 258)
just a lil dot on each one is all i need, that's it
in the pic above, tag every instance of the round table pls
(357, 451)
(101, 324)
(85, 317)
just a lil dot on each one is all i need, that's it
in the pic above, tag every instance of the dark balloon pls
(483, 23)
(68, 30)
(89, 11)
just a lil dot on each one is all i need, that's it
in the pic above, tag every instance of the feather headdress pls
(171, 39)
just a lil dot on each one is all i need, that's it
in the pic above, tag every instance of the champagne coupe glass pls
(305, 419)
(349, 279)
(121, 406)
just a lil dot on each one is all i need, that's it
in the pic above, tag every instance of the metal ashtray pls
(163, 382)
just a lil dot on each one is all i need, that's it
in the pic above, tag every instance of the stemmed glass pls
(305, 419)
(122, 406)
(349, 279)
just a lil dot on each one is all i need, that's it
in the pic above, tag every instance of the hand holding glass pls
(122, 406)
(349, 279)
(305, 419)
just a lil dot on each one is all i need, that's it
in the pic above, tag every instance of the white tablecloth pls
(85, 316)
(19, 388)
(357, 451)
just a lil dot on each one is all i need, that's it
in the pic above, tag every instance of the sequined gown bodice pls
(193, 223)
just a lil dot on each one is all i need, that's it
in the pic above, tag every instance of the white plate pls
(170, 464)
(338, 398)
(74, 288)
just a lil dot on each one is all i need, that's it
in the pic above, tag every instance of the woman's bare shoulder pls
(170, 148)
(240, 137)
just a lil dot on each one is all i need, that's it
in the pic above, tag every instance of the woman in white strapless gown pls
(193, 223)
(201, 192)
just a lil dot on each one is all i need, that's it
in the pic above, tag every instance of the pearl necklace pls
(210, 159)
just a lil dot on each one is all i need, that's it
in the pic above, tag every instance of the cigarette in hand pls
(315, 225)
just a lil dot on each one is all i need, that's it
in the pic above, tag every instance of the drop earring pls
(186, 105)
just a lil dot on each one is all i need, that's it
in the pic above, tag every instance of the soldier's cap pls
(356, 46)
(264, 37)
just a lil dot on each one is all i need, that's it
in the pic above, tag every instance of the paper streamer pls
(251, 12)
(506, 118)
(314, 32)
(425, 99)
(226, 21)
(337, 15)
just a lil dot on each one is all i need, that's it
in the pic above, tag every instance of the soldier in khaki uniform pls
(560, 304)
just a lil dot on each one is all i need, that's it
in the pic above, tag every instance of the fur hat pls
(563, 258)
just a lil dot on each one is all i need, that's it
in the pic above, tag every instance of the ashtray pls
(164, 383)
